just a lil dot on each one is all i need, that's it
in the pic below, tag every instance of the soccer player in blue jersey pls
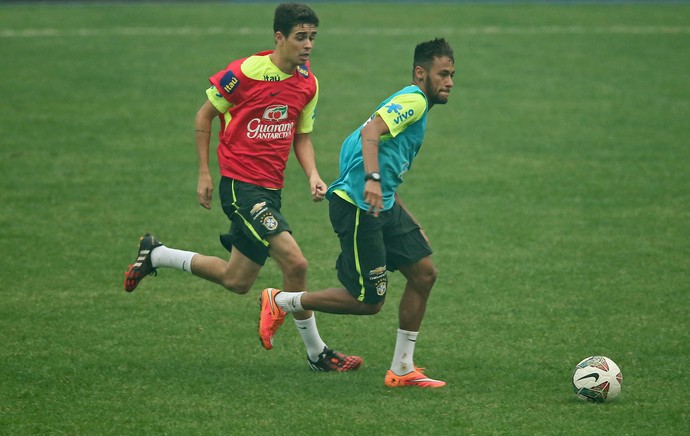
(377, 233)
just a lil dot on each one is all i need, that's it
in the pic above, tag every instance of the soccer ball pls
(597, 379)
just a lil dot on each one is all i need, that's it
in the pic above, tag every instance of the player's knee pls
(431, 277)
(237, 286)
(375, 308)
(296, 267)
(426, 279)
(237, 289)
(368, 308)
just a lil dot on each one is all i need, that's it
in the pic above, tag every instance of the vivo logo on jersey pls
(402, 116)
(229, 81)
(268, 126)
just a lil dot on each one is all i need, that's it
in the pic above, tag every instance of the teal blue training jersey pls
(405, 115)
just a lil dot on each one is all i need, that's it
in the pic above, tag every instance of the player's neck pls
(282, 64)
(421, 86)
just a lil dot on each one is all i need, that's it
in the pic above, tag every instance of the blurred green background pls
(554, 186)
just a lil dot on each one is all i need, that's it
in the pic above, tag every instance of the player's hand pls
(204, 190)
(318, 189)
(373, 197)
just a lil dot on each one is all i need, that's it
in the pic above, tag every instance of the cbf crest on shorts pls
(270, 222)
(378, 276)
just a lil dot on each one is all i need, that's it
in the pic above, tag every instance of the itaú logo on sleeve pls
(269, 126)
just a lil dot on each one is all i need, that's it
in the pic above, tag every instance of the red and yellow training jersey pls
(261, 110)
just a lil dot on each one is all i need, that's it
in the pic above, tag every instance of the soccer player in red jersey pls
(266, 105)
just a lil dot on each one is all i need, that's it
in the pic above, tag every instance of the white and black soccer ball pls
(597, 379)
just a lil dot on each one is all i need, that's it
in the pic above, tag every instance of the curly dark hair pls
(289, 15)
(425, 52)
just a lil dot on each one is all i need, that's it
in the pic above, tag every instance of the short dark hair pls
(425, 52)
(289, 15)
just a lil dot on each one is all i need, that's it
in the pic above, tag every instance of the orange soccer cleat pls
(412, 378)
(271, 317)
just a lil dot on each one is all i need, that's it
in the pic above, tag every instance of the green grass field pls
(555, 188)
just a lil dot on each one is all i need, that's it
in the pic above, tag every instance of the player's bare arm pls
(304, 151)
(202, 133)
(371, 136)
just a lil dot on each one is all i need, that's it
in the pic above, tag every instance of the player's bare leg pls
(284, 250)
(339, 301)
(237, 274)
(421, 277)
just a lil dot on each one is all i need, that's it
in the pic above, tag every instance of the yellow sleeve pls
(305, 123)
(217, 100)
(401, 111)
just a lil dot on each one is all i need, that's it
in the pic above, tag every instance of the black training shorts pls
(255, 214)
(370, 247)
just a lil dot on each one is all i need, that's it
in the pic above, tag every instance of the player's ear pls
(279, 38)
(419, 73)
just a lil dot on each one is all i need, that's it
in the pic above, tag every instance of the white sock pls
(310, 335)
(403, 358)
(290, 302)
(172, 258)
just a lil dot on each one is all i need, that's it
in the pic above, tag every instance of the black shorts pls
(255, 214)
(370, 247)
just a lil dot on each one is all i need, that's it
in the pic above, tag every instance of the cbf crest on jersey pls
(303, 70)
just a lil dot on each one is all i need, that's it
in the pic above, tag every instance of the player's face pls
(439, 80)
(297, 47)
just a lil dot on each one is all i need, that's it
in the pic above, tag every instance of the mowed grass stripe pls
(485, 30)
